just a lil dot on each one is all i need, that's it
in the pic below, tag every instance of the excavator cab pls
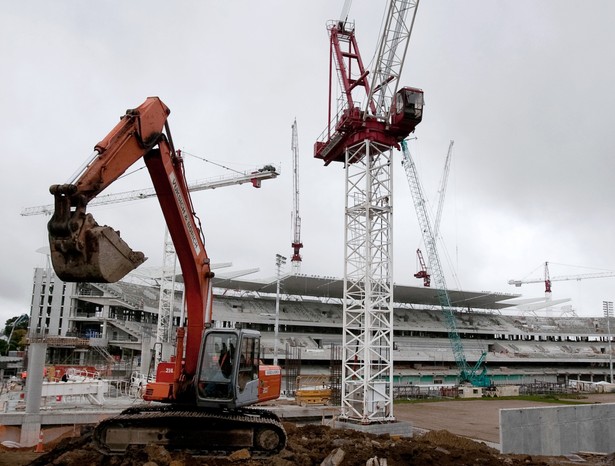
(228, 375)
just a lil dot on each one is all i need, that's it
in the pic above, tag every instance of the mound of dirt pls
(307, 446)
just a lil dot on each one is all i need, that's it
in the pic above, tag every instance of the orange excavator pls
(202, 396)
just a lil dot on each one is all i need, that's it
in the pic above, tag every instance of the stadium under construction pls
(113, 328)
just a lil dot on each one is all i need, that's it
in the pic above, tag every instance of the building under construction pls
(112, 327)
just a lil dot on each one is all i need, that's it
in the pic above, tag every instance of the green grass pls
(566, 399)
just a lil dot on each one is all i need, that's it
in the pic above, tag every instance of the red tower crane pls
(373, 118)
(548, 279)
(422, 273)
(381, 120)
(296, 244)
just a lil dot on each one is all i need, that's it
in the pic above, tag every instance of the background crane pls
(362, 138)
(442, 189)
(423, 272)
(164, 345)
(547, 279)
(255, 177)
(467, 373)
(296, 244)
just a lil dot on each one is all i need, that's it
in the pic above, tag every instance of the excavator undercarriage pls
(197, 431)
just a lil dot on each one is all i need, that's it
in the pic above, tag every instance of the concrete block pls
(399, 428)
(558, 430)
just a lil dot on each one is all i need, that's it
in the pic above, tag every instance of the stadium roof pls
(330, 287)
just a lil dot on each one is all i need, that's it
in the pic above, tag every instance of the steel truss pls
(164, 329)
(367, 364)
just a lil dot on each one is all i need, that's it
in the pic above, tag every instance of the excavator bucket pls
(94, 254)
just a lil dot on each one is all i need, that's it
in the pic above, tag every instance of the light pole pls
(607, 307)
(279, 262)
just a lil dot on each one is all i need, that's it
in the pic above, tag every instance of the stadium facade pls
(113, 328)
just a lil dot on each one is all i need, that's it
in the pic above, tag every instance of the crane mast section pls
(390, 59)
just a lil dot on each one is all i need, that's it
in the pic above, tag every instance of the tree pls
(16, 329)
(22, 322)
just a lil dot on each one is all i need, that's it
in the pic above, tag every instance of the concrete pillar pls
(31, 426)
(146, 353)
(34, 381)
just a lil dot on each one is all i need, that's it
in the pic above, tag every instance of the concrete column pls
(34, 381)
(31, 426)
(146, 353)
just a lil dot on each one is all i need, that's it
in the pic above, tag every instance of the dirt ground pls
(449, 424)
(477, 419)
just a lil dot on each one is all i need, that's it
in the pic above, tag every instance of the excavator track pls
(197, 431)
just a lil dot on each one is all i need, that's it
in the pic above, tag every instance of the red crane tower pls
(296, 244)
(373, 118)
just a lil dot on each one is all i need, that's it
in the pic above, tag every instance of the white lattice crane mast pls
(296, 218)
(362, 136)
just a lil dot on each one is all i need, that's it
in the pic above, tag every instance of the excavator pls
(200, 400)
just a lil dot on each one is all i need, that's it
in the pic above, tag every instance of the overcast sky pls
(524, 88)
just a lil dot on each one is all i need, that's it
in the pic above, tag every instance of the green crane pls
(477, 374)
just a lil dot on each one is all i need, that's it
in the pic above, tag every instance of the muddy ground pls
(315, 444)
(307, 446)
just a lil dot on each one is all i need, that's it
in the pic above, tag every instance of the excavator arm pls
(82, 250)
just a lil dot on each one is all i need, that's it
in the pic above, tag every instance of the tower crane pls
(442, 190)
(362, 135)
(548, 279)
(255, 177)
(423, 272)
(164, 329)
(296, 244)
(467, 373)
